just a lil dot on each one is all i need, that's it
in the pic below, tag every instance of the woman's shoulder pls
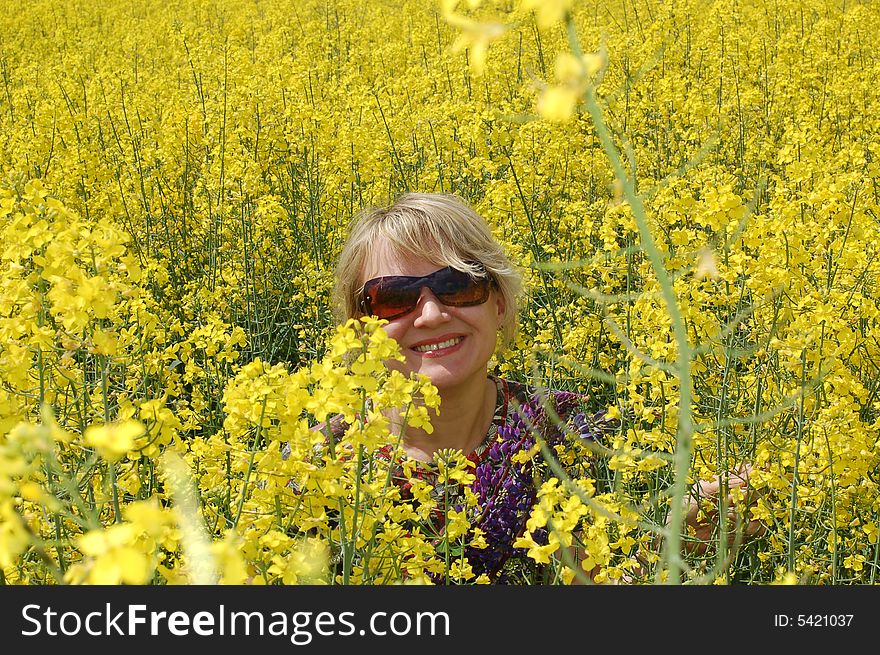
(580, 412)
(335, 426)
(521, 393)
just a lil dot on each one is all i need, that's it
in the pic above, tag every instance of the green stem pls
(671, 557)
(833, 510)
(254, 446)
(795, 478)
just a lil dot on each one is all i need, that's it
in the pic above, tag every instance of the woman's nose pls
(429, 310)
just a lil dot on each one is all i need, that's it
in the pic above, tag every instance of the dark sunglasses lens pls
(459, 289)
(389, 298)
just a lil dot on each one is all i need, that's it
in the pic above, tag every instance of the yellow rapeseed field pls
(691, 187)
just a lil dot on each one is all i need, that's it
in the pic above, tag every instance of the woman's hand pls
(702, 522)
(702, 507)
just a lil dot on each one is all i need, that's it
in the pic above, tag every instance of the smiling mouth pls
(431, 347)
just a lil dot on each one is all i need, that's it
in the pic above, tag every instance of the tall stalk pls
(671, 561)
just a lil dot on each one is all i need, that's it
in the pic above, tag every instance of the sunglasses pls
(393, 296)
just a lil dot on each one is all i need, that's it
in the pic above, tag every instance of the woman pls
(430, 267)
(428, 264)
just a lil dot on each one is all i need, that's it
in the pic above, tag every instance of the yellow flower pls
(116, 555)
(461, 570)
(453, 466)
(14, 537)
(308, 563)
(787, 578)
(548, 12)
(124, 565)
(114, 440)
(707, 267)
(558, 103)
(475, 38)
(541, 554)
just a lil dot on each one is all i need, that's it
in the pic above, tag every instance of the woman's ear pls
(501, 307)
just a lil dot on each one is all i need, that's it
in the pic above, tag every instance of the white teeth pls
(437, 346)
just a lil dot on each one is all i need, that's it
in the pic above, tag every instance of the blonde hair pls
(437, 227)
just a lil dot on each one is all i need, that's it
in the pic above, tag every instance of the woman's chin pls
(445, 373)
(446, 379)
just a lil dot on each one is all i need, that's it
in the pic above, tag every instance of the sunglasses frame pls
(418, 282)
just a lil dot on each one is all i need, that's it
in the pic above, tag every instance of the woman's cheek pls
(396, 365)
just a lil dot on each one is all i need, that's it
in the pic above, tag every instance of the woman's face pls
(451, 345)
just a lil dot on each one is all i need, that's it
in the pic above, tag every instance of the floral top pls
(506, 485)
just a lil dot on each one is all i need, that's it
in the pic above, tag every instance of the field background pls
(176, 179)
